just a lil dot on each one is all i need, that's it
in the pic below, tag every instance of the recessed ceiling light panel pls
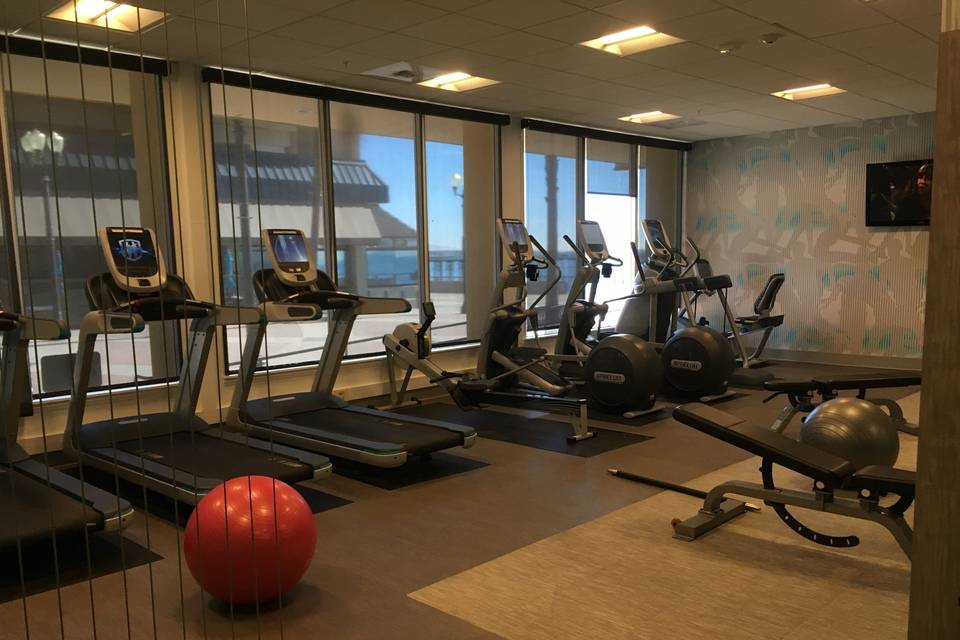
(106, 14)
(457, 81)
(813, 91)
(630, 41)
(649, 117)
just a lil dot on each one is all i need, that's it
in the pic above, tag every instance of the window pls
(268, 167)
(375, 214)
(79, 161)
(615, 183)
(610, 201)
(551, 208)
(271, 170)
(460, 165)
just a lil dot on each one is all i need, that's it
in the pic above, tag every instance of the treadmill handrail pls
(35, 328)
(373, 306)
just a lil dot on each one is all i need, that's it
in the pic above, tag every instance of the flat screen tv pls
(898, 193)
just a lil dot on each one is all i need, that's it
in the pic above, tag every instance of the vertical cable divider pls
(163, 330)
(233, 220)
(106, 341)
(266, 341)
(208, 211)
(43, 428)
(175, 239)
(15, 173)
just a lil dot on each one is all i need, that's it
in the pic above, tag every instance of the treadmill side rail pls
(116, 511)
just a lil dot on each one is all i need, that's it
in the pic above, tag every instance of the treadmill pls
(317, 420)
(175, 453)
(39, 501)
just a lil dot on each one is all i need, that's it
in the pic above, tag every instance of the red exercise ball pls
(250, 540)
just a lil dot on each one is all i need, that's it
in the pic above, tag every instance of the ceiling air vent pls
(403, 72)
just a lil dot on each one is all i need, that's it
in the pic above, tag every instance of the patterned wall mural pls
(793, 202)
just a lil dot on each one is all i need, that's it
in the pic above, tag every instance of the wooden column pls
(935, 584)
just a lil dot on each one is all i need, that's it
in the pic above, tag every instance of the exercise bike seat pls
(880, 479)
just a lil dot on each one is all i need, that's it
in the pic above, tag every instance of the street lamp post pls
(37, 145)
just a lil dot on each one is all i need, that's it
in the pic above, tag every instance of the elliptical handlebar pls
(576, 249)
(548, 261)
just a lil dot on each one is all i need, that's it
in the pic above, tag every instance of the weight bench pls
(801, 394)
(828, 472)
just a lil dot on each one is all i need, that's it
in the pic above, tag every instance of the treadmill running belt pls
(414, 438)
(32, 510)
(210, 457)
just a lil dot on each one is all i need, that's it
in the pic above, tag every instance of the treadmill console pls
(591, 240)
(133, 258)
(514, 232)
(658, 244)
(292, 261)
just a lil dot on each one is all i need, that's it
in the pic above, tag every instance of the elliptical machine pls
(698, 362)
(620, 372)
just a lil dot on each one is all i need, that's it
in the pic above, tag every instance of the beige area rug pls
(624, 576)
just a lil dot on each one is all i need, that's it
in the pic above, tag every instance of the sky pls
(392, 158)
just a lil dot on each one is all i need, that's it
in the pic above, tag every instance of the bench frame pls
(718, 509)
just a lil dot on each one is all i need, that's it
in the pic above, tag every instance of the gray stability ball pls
(853, 429)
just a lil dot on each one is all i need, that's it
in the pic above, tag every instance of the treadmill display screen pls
(133, 252)
(516, 232)
(290, 251)
(656, 235)
(593, 236)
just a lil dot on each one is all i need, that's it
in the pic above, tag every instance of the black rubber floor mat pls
(438, 465)
(539, 433)
(40, 574)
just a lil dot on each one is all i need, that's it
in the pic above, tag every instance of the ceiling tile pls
(585, 61)
(326, 31)
(515, 45)
(451, 5)
(185, 38)
(716, 130)
(917, 62)
(814, 18)
(396, 47)
(750, 121)
(525, 13)
(911, 96)
(455, 30)
(926, 25)
(893, 35)
(346, 61)
(259, 15)
(655, 14)
(854, 106)
(389, 15)
(676, 55)
(268, 48)
(534, 76)
(787, 52)
(579, 27)
(906, 9)
(712, 24)
(653, 78)
(454, 59)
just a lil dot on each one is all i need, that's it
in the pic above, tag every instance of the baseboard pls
(845, 359)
